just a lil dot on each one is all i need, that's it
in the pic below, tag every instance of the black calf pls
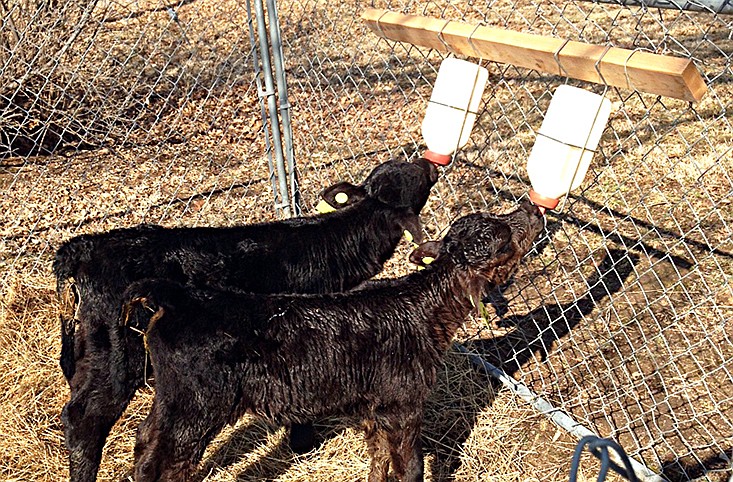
(370, 354)
(105, 364)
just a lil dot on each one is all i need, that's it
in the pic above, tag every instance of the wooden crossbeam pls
(628, 69)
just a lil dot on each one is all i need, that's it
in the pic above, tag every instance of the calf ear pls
(426, 253)
(139, 312)
(413, 228)
(343, 194)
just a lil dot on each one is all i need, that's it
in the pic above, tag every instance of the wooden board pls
(636, 70)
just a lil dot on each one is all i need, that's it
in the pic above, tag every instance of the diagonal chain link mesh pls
(114, 113)
(623, 319)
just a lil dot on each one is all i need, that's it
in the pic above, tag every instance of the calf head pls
(402, 185)
(487, 246)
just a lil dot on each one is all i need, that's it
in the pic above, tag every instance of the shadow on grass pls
(714, 468)
(532, 337)
(246, 438)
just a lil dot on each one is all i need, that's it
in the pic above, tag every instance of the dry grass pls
(641, 352)
(470, 428)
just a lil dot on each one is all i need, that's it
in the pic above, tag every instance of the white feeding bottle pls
(452, 109)
(565, 144)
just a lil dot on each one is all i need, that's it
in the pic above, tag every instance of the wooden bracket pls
(628, 69)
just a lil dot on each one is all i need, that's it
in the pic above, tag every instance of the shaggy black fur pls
(105, 364)
(369, 354)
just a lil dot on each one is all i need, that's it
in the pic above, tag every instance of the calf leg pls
(302, 437)
(376, 439)
(88, 417)
(171, 440)
(153, 447)
(405, 447)
(102, 386)
(108, 370)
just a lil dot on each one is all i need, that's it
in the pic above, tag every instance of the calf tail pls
(68, 296)
(146, 302)
(66, 264)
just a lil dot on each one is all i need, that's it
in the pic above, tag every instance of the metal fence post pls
(282, 95)
(267, 49)
(263, 109)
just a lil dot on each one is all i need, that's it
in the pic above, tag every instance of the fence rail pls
(114, 113)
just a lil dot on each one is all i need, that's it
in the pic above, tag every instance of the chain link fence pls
(114, 113)
(624, 318)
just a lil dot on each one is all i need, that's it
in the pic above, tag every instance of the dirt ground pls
(621, 316)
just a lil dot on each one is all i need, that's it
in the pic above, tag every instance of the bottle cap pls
(435, 158)
(544, 201)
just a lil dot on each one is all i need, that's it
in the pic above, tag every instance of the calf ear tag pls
(426, 261)
(323, 207)
(410, 238)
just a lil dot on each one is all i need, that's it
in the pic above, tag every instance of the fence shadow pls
(246, 438)
(714, 468)
(533, 336)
